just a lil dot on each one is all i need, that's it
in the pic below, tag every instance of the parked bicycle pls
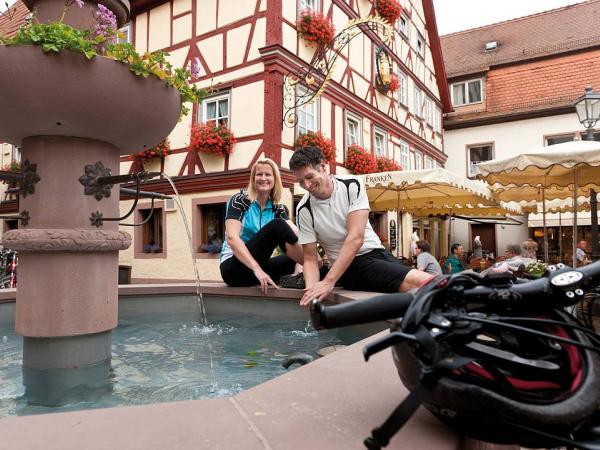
(494, 357)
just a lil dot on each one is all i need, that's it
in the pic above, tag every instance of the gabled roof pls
(561, 30)
(12, 19)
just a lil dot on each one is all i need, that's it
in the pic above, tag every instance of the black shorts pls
(376, 271)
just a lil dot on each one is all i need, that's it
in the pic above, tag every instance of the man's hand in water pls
(319, 291)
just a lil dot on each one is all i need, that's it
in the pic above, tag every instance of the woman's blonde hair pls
(277, 188)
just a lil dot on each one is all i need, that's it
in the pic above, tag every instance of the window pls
(403, 88)
(404, 27)
(216, 109)
(404, 156)
(380, 140)
(437, 120)
(152, 232)
(552, 140)
(428, 111)
(418, 104)
(353, 130)
(420, 45)
(429, 162)
(16, 153)
(418, 160)
(307, 4)
(307, 114)
(126, 34)
(212, 226)
(477, 154)
(466, 93)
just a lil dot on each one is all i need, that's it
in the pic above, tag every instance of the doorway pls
(487, 234)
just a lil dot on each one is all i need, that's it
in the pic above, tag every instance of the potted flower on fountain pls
(212, 138)
(317, 139)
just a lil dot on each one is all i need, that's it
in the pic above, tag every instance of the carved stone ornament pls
(59, 240)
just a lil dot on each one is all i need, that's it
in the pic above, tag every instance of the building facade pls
(513, 86)
(245, 49)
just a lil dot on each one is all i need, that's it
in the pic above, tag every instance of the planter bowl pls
(65, 94)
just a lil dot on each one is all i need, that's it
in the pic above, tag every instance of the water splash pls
(199, 295)
(195, 265)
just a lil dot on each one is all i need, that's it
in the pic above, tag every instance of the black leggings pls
(276, 233)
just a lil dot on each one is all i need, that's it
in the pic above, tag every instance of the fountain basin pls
(65, 94)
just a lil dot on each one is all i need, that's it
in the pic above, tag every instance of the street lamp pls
(588, 113)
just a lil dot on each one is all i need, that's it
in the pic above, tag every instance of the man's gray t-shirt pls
(428, 263)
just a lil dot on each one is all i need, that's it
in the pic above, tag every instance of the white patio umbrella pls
(427, 192)
(558, 171)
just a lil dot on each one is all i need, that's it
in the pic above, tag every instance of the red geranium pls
(316, 139)
(390, 10)
(394, 83)
(386, 164)
(360, 161)
(315, 28)
(158, 151)
(211, 138)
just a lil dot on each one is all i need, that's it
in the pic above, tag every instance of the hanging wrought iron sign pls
(317, 75)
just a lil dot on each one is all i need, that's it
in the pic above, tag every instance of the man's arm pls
(357, 221)
(311, 264)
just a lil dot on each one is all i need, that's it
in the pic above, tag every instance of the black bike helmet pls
(503, 372)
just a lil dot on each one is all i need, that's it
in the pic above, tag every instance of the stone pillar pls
(67, 294)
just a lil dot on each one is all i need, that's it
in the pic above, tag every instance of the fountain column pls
(67, 112)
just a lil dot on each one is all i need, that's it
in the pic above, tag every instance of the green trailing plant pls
(100, 41)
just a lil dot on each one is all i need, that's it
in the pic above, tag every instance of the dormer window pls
(467, 92)
(491, 46)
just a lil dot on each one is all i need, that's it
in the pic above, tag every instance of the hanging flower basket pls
(386, 164)
(211, 138)
(316, 29)
(317, 139)
(390, 10)
(158, 151)
(360, 161)
(12, 167)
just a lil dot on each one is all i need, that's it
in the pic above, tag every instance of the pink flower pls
(195, 68)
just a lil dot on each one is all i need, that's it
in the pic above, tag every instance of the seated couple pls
(335, 214)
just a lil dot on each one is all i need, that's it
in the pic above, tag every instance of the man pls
(581, 253)
(335, 213)
(425, 260)
(454, 262)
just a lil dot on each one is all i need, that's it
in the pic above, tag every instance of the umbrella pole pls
(560, 252)
(544, 223)
(400, 230)
(575, 187)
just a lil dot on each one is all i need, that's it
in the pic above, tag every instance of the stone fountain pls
(67, 112)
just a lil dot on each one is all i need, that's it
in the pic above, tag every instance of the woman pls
(255, 224)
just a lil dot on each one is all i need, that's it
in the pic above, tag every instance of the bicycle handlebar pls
(559, 287)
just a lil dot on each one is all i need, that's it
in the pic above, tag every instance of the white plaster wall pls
(181, 6)
(212, 51)
(141, 31)
(235, 44)
(259, 39)
(182, 29)
(233, 10)
(206, 16)
(510, 139)
(160, 27)
(247, 109)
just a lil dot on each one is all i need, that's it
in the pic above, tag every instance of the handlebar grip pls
(381, 307)
(592, 271)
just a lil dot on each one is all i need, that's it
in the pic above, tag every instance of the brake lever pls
(395, 337)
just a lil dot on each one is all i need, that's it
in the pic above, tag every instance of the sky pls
(458, 15)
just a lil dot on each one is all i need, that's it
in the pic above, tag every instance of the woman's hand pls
(264, 279)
